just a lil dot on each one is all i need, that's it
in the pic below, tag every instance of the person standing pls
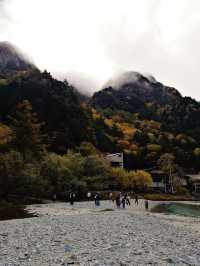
(146, 205)
(123, 202)
(54, 197)
(111, 196)
(89, 196)
(97, 200)
(118, 201)
(128, 202)
(72, 198)
(136, 199)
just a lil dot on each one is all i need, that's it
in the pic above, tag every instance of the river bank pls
(88, 236)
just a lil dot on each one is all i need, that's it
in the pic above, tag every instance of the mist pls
(88, 42)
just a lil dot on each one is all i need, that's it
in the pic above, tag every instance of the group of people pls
(123, 199)
(120, 199)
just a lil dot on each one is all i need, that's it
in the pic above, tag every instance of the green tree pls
(33, 184)
(119, 175)
(95, 166)
(166, 163)
(54, 169)
(87, 148)
(11, 167)
(29, 139)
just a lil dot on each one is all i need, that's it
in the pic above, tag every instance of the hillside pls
(147, 119)
(134, 114)
(136, 93)
(54, 102)
(53, 139)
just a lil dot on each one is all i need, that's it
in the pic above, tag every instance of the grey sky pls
(95, 40)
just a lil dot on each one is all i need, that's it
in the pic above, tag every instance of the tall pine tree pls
(29, 139)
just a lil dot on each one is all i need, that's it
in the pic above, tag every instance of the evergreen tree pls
(29, 138)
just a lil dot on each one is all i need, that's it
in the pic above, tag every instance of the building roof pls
(194, 178)
(115, 157)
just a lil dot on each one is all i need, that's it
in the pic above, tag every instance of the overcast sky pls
(95, 39)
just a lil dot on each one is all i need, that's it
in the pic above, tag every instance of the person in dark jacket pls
(136, 199)
(72, 198)
(54, 198)
(123, 202)
(146, 205)
(118, 201)
(97, 199)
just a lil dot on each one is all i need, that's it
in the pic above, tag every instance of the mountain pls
(134, 113)
(145, 119)
(12, 59)
(55, 102)
(136, 93)
(132, 90)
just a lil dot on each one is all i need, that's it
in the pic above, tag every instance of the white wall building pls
(115, 159)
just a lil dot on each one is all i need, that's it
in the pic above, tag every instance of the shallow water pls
(12, 211)
(190, 210)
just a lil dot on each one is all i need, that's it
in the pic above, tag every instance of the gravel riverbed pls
(87, 236)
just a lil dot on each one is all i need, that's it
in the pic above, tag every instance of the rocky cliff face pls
(11, 59)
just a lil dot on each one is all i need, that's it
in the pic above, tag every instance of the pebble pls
(82, 237)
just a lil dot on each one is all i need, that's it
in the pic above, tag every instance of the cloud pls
(97, 39)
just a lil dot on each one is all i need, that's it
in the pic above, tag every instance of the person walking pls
(146, 205)
(136, 199)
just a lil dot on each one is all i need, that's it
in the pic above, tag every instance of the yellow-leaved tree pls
(6, 134)
(143, 179)
(132, 179)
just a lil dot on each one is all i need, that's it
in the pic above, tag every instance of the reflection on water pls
(10, 210)
(191, 210)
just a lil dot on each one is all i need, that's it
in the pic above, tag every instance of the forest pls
(54, 140)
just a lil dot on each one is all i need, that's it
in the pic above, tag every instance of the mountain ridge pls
(12, 59)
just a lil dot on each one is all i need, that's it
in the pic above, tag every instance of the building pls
(193, 182)
(160, 181)
(115, 159)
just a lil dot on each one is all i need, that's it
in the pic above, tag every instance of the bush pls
(179, 190)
